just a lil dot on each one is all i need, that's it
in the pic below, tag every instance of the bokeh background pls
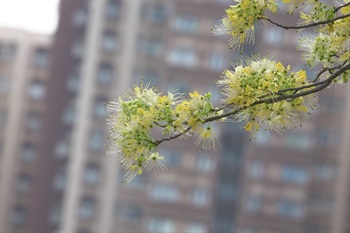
(55, 81)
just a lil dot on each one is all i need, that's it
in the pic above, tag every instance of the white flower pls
(155, 161)
(207, 138)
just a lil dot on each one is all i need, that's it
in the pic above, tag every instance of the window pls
(86, 208)
(7, 52)
(165, 192)
(253, 204)
(104, 74)
(62, 149)
(205, 162)
(73, 83)
(223, 222)
(186, 24)
(135, 183)
(99, 109)
(230, 158)
(79, 18)
(112, 10)
(23, 183)
(148, 76)
(91, 173)
(28, 153)
(196, 228)
(321, 205)
(298, 141)
(262, 137)
(109, 41)
(331, 104)
(55, 215)
(290, 208)
(59, 181)
(323, 136)
(274, 36)
(294, 174)
(68, 115)
(155, 14)
(325, 172)
(19, 215)
(3, 117)
(33, 121)
(5, 84)
(36, 90)
(156, 225)
(256, 169)
(130, 212)
(172, 157)
(182, 57)
(150, 47)
(326, 137)
(216, 61)
(96, 141)
(227, 190)
(77, 50)
(200, 197)
(41, 57)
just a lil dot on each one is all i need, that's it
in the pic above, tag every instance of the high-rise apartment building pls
(297, 182)
(169, 44)
(24, 66)
(278, 184)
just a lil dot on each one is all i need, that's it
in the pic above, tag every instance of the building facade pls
(24, 72)
(294, 183)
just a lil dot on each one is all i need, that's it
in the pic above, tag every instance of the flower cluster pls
(240, 20)
(261, 82)
(145, 111)
(130, 122)
(331, 45)
(316, 11)
(258, 92)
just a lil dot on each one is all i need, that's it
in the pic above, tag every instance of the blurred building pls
(100, 49)
(24, 66)
(297, 183)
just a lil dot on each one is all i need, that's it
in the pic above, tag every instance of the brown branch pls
(327, 69)
(339, 7)
(157, 142)
(313, 84)
(308, 25)
(321, 85)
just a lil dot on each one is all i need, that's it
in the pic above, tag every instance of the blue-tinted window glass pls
(165, 192)
(290, 209)
(104, 74)
(294, 174)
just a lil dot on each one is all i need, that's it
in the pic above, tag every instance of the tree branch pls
(323, 84)
(320, 86)
(308, 25)
(327, 69)
(339, 7)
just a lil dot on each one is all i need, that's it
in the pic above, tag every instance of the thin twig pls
(313, 84)
(327, 69)
(157, 142)
(339, 7)
(308, 25)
